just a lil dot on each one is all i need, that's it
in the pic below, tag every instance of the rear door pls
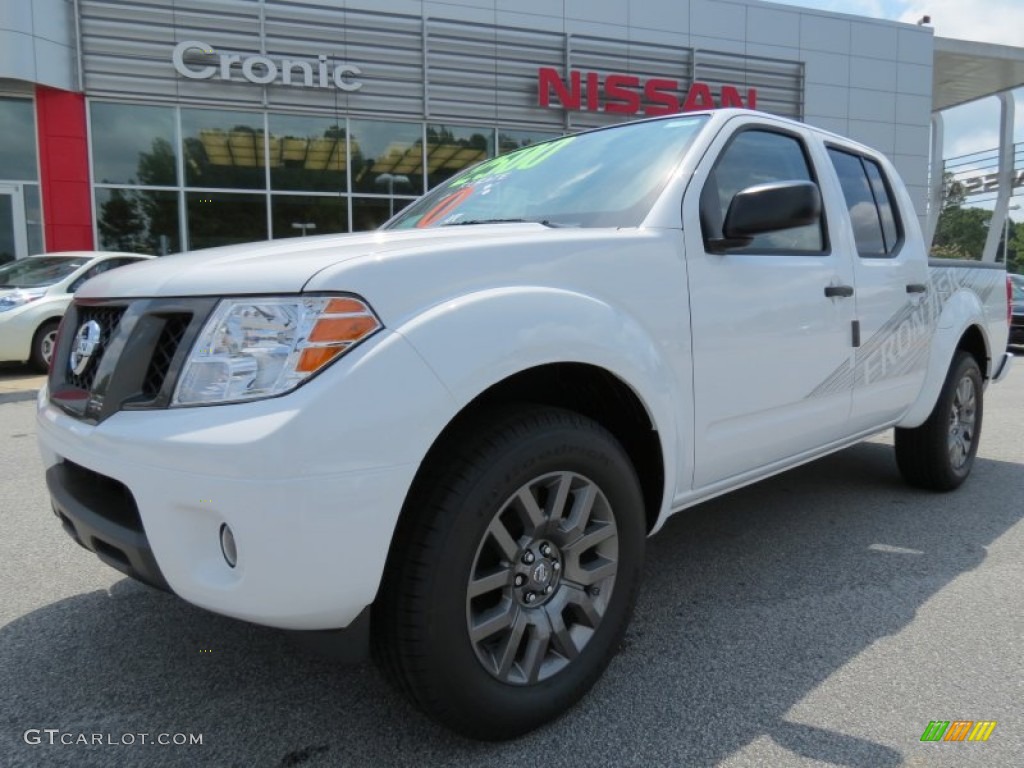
(892, 283)
(767, 338)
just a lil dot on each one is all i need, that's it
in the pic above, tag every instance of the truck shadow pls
(750, 602)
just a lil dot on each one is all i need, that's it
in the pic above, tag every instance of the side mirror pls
(768, 208)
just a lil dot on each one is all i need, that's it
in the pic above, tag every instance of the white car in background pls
(35, 292)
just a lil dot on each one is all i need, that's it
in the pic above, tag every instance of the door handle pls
(840, 291)
(917, 288)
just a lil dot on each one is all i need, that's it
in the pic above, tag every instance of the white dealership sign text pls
(262, 70)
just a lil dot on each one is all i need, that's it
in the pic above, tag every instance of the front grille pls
(108, 318)
(141, 350)
(163, 353)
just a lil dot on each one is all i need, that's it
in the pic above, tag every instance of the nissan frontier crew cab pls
(454, 434)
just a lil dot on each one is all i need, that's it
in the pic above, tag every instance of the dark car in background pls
(1017, 321)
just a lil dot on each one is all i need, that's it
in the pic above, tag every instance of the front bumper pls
(100, 514)
(310, 487)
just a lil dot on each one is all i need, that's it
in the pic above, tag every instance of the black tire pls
(939, 454)
(450, 535)
(43, 343)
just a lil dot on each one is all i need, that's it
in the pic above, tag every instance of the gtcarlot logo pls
(57, 737)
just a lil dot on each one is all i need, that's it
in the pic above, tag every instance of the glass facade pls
(511, 140)
(301, 215)
(134, 144)
(387, 158)
(170, 178)
(308, 154)
(223, 149)
(452, 148)
(19, 175)
(224, 218)
(137, 220)
(18, 149)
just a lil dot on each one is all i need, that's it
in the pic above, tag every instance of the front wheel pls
(514, 573)
(939, 454)
(43, 344)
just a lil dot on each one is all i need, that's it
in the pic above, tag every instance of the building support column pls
(64, 170)
(936, 184)
(1005, 189)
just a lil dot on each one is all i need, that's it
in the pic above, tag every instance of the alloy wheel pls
(542, 578)
(962, 418)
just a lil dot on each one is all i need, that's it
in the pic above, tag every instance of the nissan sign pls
(628, 94)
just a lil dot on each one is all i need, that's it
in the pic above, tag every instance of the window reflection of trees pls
(385, 163)
(316, 162)
(450, 150)
(142, 220)
(231, 159)
(138, 220)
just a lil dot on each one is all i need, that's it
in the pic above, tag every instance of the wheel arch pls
(974, 342)
(581, 387)
(972, 339)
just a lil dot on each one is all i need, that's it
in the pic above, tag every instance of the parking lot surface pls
(823, 617)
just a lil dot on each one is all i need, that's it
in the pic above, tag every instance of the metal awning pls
(965, 71)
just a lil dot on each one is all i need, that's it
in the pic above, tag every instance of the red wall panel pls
(64, 169)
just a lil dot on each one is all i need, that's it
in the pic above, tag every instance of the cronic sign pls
(197, 60)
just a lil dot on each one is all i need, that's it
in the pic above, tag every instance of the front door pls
(770, 321)
(13, 236)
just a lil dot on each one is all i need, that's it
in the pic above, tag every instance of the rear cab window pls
(877, 228)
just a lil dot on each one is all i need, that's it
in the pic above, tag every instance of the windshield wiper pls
(484, 221)
(545, 222)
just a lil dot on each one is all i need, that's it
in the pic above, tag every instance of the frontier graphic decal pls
(902, 343)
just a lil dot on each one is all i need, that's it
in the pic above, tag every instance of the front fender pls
(961, 310)
(480, 339)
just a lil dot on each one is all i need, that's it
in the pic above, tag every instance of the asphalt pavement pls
(823, 617)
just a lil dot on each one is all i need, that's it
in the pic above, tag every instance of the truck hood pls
(278, 266)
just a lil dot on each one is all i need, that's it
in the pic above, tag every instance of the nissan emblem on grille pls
(87, 342)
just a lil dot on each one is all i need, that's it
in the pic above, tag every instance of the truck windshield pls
(605, 178)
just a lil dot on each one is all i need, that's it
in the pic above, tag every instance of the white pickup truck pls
(453, 435)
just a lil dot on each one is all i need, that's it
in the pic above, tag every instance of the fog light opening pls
(227, 545)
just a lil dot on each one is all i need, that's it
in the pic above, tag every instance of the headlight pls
(259, 347)
(19, 298)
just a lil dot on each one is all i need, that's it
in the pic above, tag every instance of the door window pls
(875, 226)
(757, 157)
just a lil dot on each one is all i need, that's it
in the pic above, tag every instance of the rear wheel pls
(939, 454)
(43, 344)
(513, 575)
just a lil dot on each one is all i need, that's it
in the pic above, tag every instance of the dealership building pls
(166, 125)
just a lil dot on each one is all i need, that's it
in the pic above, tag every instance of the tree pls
(159, 209)
(158, 167)
(953, 194)
(961, 233)
(120, 224)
